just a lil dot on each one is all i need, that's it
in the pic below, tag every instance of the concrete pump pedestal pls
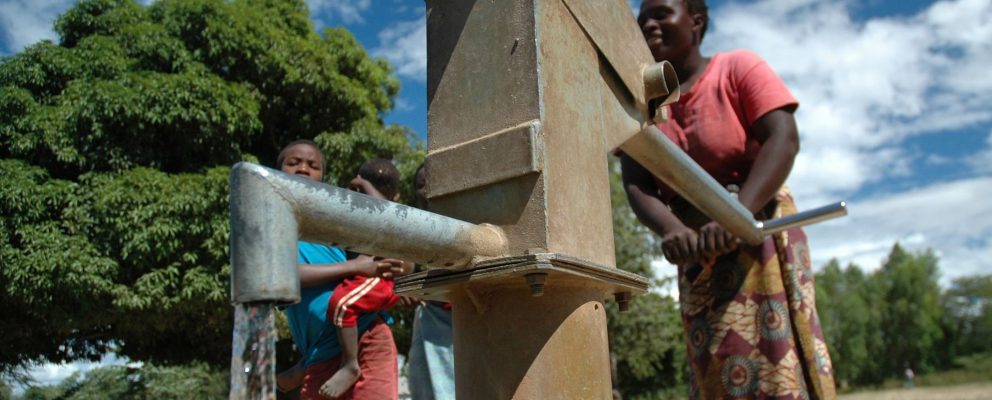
(529, 327)
(527, 98)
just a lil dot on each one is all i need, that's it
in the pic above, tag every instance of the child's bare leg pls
(348, 372)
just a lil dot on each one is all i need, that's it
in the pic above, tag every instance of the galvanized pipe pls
(271, 210)
(656, 153)
(804, 218)
(264, 230)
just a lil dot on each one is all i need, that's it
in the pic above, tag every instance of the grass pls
(970, 369)
(974, 368)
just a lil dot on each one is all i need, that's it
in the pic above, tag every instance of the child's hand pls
(378, 267)
(407, 268)
(367, 266)
(408, 302)
(390, 267)
(363, 186)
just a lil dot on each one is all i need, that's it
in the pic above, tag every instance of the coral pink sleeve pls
(759, 88)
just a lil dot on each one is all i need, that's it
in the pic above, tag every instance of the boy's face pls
(304, 160)
(421, 186)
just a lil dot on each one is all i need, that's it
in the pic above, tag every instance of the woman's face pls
(668, 28)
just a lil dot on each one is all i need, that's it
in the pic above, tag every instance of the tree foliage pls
(898, 317)
(115, 146)
(196, 381)
(646, 340)
(968, 315)
(911, 323)
(850, 311)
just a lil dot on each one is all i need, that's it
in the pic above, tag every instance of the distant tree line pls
(881, 323)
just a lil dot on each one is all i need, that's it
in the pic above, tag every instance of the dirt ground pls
(972, 391)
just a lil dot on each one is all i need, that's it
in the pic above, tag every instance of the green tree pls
(911, 323)
(6, 392)
(647, 339)
(115, 146)
(848, 307)
(968, 311)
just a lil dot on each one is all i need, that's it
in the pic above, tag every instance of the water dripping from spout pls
(253, 360)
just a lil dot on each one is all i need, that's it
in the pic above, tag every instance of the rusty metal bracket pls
(496, 157)
(544, 269)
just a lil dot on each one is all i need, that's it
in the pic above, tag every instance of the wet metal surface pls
(271, 210)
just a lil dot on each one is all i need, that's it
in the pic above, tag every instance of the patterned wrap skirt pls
(750, 319)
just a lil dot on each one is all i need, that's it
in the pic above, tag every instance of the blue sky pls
(895, 115)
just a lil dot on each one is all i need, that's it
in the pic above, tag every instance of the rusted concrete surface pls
(525, 107)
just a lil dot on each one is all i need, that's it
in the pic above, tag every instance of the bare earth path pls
(971, 391)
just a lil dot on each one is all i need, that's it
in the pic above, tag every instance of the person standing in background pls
(431, 365)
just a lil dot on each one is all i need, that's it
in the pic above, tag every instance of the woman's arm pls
(779, 138)
(678, 242)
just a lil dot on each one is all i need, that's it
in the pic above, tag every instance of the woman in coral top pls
(748, 311)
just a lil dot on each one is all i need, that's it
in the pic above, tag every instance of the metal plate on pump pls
(490, 159)
(560, 270)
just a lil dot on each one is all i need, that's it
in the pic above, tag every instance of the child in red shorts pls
(358, 295)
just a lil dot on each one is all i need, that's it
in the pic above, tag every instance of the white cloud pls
(951, 218)
(404, 44)
(25, 22)
(936, 159)
(401, 7)
(350, 11)
(403, 104)
(866, 86)
(982, 161)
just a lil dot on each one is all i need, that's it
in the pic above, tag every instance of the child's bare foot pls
(342, 380)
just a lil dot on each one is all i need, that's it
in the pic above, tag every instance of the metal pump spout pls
(272, 210)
